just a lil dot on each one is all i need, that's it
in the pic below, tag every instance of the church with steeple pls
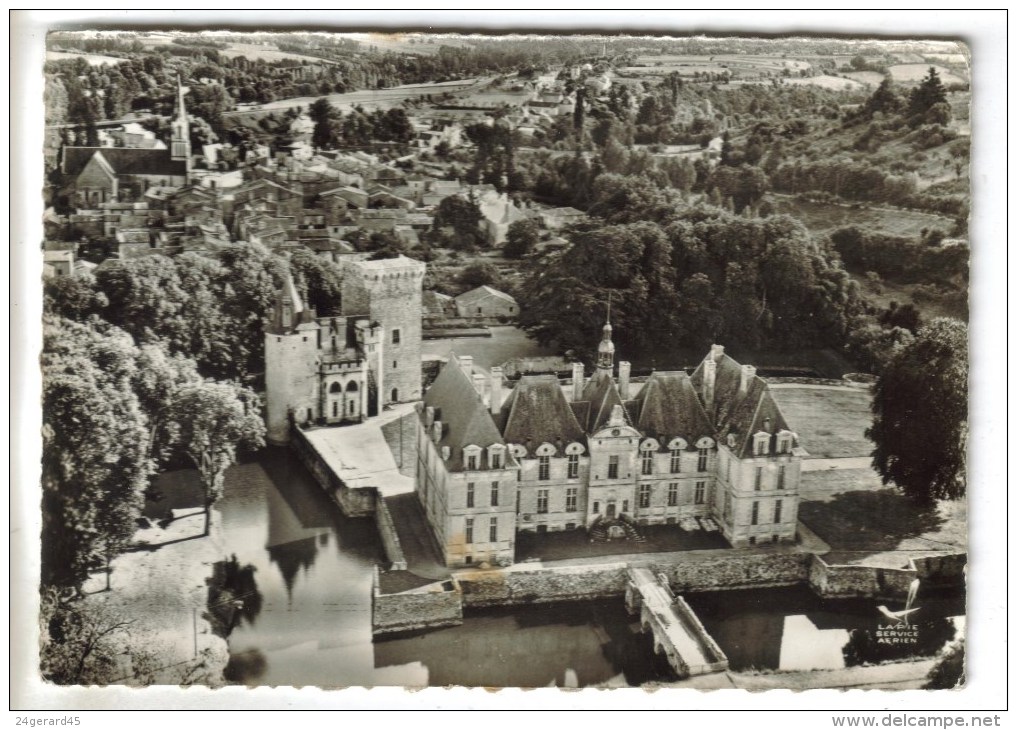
(97, 175)
(708, 450)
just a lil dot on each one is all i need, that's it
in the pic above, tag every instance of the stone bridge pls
(677, 631)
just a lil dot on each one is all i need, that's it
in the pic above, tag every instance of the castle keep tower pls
(389, 292)
(291, 372)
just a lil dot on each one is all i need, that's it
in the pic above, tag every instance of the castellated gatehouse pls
(339, 369)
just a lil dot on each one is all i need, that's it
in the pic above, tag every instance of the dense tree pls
(82, 643)
(521, 237)
(208, 422)
(321, 279)
(948, 672)
(927, 94)
(479, 273)
(457, 224)
(920, 414)
(95, 462)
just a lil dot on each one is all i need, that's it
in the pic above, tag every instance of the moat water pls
(313, 571)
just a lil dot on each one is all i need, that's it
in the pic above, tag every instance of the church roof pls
(464, 418)
(668, 407)
(537, 412)
(125, 161)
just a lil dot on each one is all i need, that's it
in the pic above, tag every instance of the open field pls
(419, 44)
(257, 52)
(871, 78)
(736, 64)
(830, 422)
(824, 217)
(836, 83)
(913, 73)
(884, 292)
(371, 98)
(92, 58)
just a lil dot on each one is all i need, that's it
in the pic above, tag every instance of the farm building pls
(486, 302)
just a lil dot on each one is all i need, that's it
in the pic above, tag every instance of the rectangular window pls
(469, 494)
(704, 455)
(544, 468)
(676, 461)
(493, 530)
(469, 530)
(571, 498)
(755, 513)
(780, 476)
(612, 467)
(519, 500)
(761, 445)
(395, 337)
(542, 501)
(644, 495)
(672, 494)
(759, 478)
(625, 505)
(573, 466)
(778, 507)
(647, 462)
(494, 494)
(495, 460)
(596, 508)
(700, 492)
(395, 364)
(471, 462)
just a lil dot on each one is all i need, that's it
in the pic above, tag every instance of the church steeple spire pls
(605, 350)
(180, 146)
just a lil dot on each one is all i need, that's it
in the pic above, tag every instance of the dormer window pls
(471, 462)
(496, 456)
(761, 444)
(471, 455)
(784, 441)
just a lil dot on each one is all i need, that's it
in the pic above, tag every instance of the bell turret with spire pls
(605, 350)
(180, 145)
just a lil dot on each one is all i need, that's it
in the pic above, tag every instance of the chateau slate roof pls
(669, 407)
(602, 395)
(464, 418)
(537, 412)
(725, 389)
(756, 412)
(125, 161)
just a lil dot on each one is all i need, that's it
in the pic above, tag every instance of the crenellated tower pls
(388, 292)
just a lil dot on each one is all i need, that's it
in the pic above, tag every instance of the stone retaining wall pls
(389, 536)
(941, 570)
(415, 610)
(355, 502)
(859, 581)
(733, 572)
(542, 585)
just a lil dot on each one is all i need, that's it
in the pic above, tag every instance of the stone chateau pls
(603, 454)
(710, 450)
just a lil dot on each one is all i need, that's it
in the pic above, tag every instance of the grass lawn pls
(883, 527)
(824, 217)
(824, 485)
(830, 423)
(885, 292)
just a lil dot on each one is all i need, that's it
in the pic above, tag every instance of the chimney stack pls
(495, 389)
(478, 384)
(436, 431)
(716, 352)
(578, 377)
(624, 369)
(466, 364)
(709, 382)
(748, 373)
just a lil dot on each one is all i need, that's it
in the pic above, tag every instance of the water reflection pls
(886, 643)
(575, 645)
(312, 625)
(793, 629)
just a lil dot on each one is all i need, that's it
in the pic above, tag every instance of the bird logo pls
(902, 617)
